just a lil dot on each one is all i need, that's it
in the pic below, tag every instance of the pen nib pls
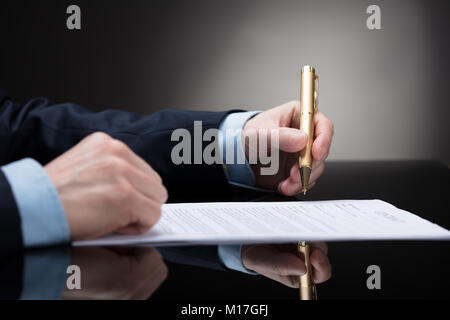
(305, 172)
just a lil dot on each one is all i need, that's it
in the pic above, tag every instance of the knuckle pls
(115, 147)
(123, 191)
(116, 165)
(99, 137)
(118, 195)
(121, 195)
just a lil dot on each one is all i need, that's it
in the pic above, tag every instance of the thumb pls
(292, 140)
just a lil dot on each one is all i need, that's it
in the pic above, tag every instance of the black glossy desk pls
(409, 269)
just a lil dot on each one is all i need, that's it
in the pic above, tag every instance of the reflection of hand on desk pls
(117, 273)
(280, 262)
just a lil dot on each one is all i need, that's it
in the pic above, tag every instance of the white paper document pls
(278, 222)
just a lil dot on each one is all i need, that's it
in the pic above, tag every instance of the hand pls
(117, 273)
(281, 262)
(104, 187)
(285, 119)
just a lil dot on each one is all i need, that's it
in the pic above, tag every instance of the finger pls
(291, 189)
(151, 272)
(292, 140)
(294, 174)
(144, 166)
(120, 149)
(311, 185)
(147, 256)
(264, 260)
(132, 229)
(322, 246)
(145, 213)
(149, 286)
(292, 186)
(289, 281)
(316, 173)
(323, 136)
(321, 264)
(289, 114)
(146, 184)
(292, 183)
(316, 164)
(106, 145)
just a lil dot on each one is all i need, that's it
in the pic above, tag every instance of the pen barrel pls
(308, 100)
(306, 283)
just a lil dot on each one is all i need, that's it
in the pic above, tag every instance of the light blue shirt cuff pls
(231, 258)
(236, 167)
(42, 215)
(45, 274)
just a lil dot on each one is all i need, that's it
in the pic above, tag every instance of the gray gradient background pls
(386, 91)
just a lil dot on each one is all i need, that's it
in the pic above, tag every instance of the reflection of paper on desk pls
(275, 222)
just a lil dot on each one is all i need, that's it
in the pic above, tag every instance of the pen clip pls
(316, 92)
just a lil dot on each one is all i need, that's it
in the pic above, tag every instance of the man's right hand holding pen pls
(285, 118)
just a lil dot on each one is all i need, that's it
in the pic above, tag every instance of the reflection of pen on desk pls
(308, 106)
(306, 283)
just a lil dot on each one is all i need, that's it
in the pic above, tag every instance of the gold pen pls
(308, 106)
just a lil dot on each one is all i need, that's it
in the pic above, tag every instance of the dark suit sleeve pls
(199, 256)
(10, 228)
(42, 130)
(11, 276)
